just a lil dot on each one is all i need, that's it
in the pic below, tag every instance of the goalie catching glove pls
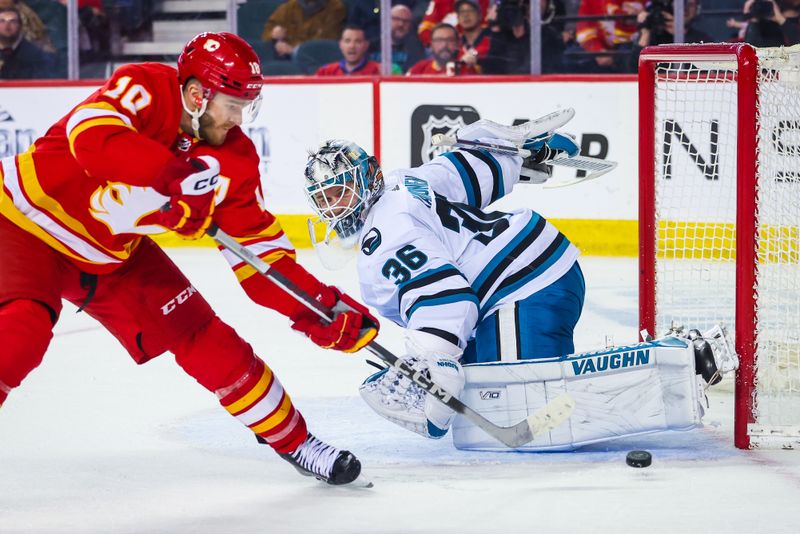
(352, 328)
(545, 148)
(190, 184)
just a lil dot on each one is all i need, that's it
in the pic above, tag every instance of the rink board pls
(395, 119)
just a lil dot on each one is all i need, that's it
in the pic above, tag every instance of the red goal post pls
(719, 216)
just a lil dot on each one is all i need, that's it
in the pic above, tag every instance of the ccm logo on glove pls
(190, 184)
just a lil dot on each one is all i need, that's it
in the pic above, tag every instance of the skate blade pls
(361, 482)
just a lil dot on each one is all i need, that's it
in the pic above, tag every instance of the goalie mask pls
(342, 182)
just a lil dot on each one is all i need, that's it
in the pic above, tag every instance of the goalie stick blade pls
(541, 421)
(597, 168)
(551, 415)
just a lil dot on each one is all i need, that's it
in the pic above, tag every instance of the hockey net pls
(720, 216)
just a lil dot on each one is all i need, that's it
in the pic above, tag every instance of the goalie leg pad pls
(626, 391)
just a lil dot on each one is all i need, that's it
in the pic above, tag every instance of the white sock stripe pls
(4, 388)
(265, 406)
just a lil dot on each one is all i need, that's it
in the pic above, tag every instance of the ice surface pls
(94, 444)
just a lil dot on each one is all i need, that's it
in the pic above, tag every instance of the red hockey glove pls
(190, 184)
(352, 327)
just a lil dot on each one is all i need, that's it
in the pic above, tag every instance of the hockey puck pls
(639, 459)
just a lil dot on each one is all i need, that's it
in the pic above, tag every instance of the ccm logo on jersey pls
(617, 360)
(182, 297)
(206, 183)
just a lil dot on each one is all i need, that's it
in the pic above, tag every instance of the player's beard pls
(210, 131)
(443, 56)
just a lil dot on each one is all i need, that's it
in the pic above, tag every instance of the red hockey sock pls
(224, 363)
(25, 330)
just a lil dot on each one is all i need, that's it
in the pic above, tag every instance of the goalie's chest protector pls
(413, 230)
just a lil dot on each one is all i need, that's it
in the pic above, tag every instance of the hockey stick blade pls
(552, 414)
(596, 167)
(513, 436)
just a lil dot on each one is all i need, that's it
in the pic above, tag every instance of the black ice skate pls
(714, 355)
(704, 362)
(325, 462)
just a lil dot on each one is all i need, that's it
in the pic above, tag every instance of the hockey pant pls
(539, 326)
(150, 308)
(619, 392)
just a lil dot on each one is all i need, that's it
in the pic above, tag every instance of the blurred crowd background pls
(87, 39)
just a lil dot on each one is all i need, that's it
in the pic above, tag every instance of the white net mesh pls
(696, 107)
(777, 393)
(695, 194)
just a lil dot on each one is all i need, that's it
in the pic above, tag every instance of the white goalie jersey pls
(431, 259)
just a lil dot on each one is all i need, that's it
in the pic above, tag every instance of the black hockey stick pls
(596, 167)
(542, 420)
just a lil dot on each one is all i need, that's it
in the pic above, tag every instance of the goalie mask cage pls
(719, 216)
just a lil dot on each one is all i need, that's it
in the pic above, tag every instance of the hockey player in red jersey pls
(154, 150)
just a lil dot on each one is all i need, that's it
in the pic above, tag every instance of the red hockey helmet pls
(222, 62)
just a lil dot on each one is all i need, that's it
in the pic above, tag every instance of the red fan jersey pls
(443, 11)
(83, 188)
(599, 35)
(429, 66)
(339, 68)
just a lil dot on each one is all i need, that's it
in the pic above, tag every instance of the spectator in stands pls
(509, 51)
(442, 11)
(788, 17)
(19, 58)
(444, 49)
(298, 21)
(95, 32)
(656, 27)
(769, 23)
(406, 47)
(367, 14)
(354, 47)
(604, 37)
(475, 37)
(33, 29)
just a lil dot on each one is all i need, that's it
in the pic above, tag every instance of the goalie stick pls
(542, 420)
(596, 167)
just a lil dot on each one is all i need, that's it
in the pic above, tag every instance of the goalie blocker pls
(620, 392)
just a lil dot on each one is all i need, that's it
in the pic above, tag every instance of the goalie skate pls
(713, 353)
(325, 462)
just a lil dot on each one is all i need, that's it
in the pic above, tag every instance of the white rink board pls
(27, 112)
(295, 117)
(605, 108)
